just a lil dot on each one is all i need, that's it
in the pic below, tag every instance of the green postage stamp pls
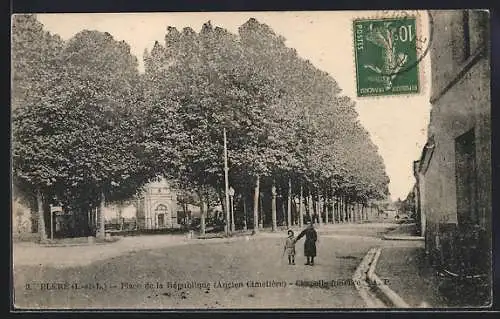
(386, 56)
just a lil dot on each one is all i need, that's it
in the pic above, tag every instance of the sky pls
(397, 124)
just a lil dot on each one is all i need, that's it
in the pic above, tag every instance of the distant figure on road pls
(290, 247)
(310, 243)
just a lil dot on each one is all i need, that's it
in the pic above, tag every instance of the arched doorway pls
(161, 213)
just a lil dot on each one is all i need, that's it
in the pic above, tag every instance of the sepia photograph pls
(323, 160)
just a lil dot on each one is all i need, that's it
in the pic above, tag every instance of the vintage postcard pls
(251, 160)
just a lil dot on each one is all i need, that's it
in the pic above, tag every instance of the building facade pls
(454, 171)
(419, 212)
(158, 207)
(21, 218)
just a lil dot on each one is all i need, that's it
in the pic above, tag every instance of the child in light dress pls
(290, 247)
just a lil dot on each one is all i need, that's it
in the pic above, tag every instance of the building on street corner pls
(157, 207)
(419, 213)
(453, 174)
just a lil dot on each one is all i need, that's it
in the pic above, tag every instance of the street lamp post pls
(231, 200)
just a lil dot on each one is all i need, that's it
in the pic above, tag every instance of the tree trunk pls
(346, 209)
(273, 207)
(325, 207)
(283, 216)
(319, 209)
(361, 212)
(289, 203)
(256, 206)
(203, 212)
(335, 210)
(244, 212)
(94, 220)
(341, 208)
(334, 200)
(41, 218)
(185, 212)
(310, 206)
(301, 212)
(222, 200)
(352, 209)
(89, 218)
(333, 206)
(102, 231)
(354, 212)
(351, 212)
(261, 209)
(336, 206)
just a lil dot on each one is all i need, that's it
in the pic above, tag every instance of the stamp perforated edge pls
(422, 76)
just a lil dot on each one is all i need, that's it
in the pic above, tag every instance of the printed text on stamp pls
(385, 55)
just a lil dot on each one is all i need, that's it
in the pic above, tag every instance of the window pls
(466, 179)
(466, 27)
(475, 31)
(478, 29)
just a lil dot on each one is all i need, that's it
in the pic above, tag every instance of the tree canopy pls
(86, 122)
(283, 116)
(74, 136)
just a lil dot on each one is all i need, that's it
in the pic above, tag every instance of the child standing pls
(290, 247)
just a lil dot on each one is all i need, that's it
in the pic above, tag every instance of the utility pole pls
(226, 182)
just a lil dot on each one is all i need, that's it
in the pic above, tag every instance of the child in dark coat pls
(290, 247)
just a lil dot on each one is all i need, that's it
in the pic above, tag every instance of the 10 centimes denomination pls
(388, 51)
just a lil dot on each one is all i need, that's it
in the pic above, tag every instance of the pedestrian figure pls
(290, 247)
(310, 243)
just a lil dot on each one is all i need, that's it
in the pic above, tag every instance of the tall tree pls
(80, 135)
(35, 61)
